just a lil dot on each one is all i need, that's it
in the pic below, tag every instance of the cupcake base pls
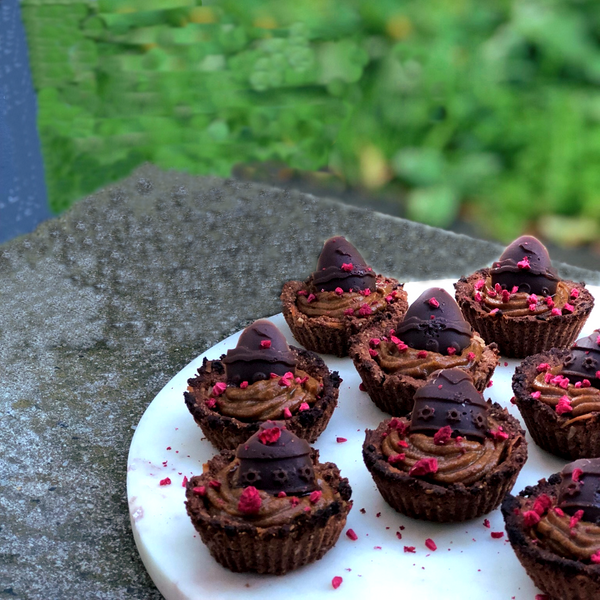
(421, 499)
(561, 578)
(548, 429)
(331, 335)
(518, 337)
(242, 547)
(228, 432)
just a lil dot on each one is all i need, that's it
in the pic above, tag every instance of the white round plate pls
(390, 552)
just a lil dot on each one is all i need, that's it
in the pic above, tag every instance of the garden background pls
(451, 110)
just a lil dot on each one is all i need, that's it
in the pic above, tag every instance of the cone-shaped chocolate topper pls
(526, 264)
(584, 360)
(434, 322)
(275, 460)
(260, 351)
(450, 398)
(342, 266)
(580, 489)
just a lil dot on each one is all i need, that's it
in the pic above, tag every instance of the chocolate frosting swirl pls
(261, 350)
(268, 399)
(450, 399)
(526, 264)
(584, 360)
(341, 265)
(434, 322)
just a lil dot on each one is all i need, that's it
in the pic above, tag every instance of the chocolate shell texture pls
(260, 351)
(525, 264)
(450, 398)
(276, 460)
(584, 360)
(341, 265)
(580, 489)
(434, 322)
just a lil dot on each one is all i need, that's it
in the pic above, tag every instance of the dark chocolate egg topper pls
(584, 360)
(275, 460)
(260, 351)
(526, 264)
(341, 265)
(449, 398)
(434, 322)
(580, 489)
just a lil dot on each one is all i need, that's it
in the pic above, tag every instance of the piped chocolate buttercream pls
(580, 489)
(260, 351)
(275, 460)
(450, 399)
(434, 322)
(526, 264)
(341, 265)
(584, 360)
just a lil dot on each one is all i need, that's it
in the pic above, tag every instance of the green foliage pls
(493, 107)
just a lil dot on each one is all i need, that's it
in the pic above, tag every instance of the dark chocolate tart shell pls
(394, 393)
(518, 337)
(421, 499)
(331, 335)
(240, 546)
(561, 578)
(548, 429)
(228, 432)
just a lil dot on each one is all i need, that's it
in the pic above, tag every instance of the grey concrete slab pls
(102, 306)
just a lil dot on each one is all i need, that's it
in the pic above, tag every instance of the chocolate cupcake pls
(558, 395)
(262, 378)
(342, 297)
(554, 529)
(522, 304)
(395, 359)
(453, 459)
(271, 506)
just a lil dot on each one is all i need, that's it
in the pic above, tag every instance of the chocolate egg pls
(434, 322)
(584, 360)
(260, 351)
(526, 264)
(276, 460)
(580, 489)
(449, 398)
(341, 265)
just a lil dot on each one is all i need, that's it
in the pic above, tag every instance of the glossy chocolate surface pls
(341, 265)
(584, 360)
(249, 361)
(526, 264)
(435, 328)
(580, 489)
(450, 399)
(276, 461)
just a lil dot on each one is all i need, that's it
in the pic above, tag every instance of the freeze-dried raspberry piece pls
(250, 501)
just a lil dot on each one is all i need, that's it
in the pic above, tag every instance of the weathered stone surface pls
(101, 307)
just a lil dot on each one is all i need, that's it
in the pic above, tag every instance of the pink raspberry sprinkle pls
(339, 291)
(542, 504)
(269, 436)
(524, 264)
(542, 367)
(273, 376)
(250, 501)
(165, 481)
(499, 434)
(532, 299)
(373, 353)
(395, 340)
(568, 307)
(347, 267)
(498, 287)
(530, 518)
(410, 549)
(336, 582)
(211, 403)
(402, 347)
(283, 382)
(389, 299)
(576, 475)
(351, 534)
(311, 298)
(302, 293)
(536, 395)
(556, 312)
(265, 344)
(282, 495)
(243, 385)
(492, 293)
(479, 284)
(515, 289)
(496, 535)
(442, 435)
(431, 544)
(495, 311)
(349, 312)
(532, 307)
(471, 356)
(585, 383)
(361, 387)
(478, 297)
(451, 351)
(595, 558)
(200, 490)
(219, 388)
(374, 342)
(303, 406)
(542, 597)
(433, 303)
(490, 384)
(486, 523)
(366, 292)
(505, 296)
(424, 466)
(365, 310)
(287, 413)
(315, 496)
(574, 293)
(598, 340)
(563, 406)
(396, 458)
(548, 377)
(185, 481)
(421, 354)
(578, 384)
(575, 519)
(341, 440)
(559, 511)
